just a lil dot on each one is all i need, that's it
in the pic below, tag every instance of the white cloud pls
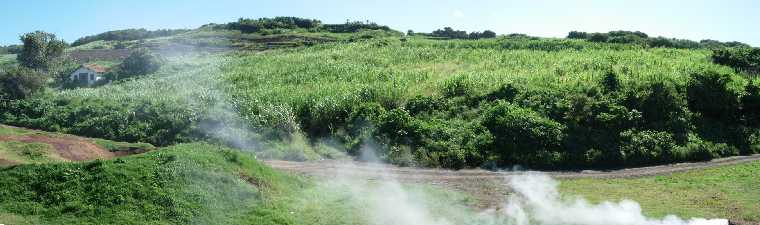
(457, 14)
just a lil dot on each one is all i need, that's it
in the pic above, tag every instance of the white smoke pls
(535, 200)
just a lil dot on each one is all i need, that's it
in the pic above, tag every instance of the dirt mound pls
(71, 148)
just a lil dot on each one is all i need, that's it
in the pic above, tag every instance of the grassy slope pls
(36, 152)
(184, 184)
(725, 192)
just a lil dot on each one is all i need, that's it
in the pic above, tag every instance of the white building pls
(88, 74)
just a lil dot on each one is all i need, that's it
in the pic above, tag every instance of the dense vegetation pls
(448, 32)
(642, 39)
(185, 184)
(128, 35)
(282, 24)
(10, 49)
(740, 58)
(547, 103)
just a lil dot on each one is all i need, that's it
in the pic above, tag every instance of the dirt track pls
(486, 186)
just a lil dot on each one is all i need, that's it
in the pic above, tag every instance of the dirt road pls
(488, 187)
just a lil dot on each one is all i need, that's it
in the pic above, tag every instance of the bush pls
(577, 35)
(352, 27)
(751, 104)
(139, 62)
(255, 25)
(700, 150)
(740, 58)
(520, 133)
(598, 37)
(713, 94)
(20, 83)
(646, 147)
(662, 107)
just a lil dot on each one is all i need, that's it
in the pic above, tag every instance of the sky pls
(724, 20)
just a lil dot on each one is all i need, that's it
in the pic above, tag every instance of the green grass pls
(115, 146)
(187, 184)
(7, 60)
(22, 152)
(7, 130)
(724, 192)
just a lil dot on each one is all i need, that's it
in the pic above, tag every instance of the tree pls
(598, 37)
(139, 62)
(40, 50)
(577, 35)
(20, 82)
(488, 34)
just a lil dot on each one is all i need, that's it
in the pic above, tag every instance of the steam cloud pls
(535, 201)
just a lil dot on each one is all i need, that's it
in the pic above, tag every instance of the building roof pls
(96, 68)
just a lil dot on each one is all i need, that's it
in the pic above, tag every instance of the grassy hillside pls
(543, 103)
(185, 184)
(725, 192)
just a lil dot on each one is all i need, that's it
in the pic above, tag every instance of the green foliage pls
(598, 37)
(140, 62)
(128, 35)
(10, 49)
(256, 25)
(715, 95)
(577, 35)
(187, 184)
(20, 83)
(355, 26)
(522, 135)
(739, 58)
(424, 102)
(639, 148)
(448, 32)
(40, 50)
(751, 104)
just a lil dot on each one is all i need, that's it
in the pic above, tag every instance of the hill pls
(460, 103)
(184, 184)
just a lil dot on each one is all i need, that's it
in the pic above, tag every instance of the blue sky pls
(723, 20)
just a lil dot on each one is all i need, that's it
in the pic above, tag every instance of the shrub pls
(577, 35)
(740, 58)
(662, 107)
(646, 147)
(351, 27)
(751, 104)
(713, 94)
(700, 150)
(255, 25)
(139, 62)
(598, 37)
(519, 132)
(20, 82)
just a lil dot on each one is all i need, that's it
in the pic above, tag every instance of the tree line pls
(641, 38)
